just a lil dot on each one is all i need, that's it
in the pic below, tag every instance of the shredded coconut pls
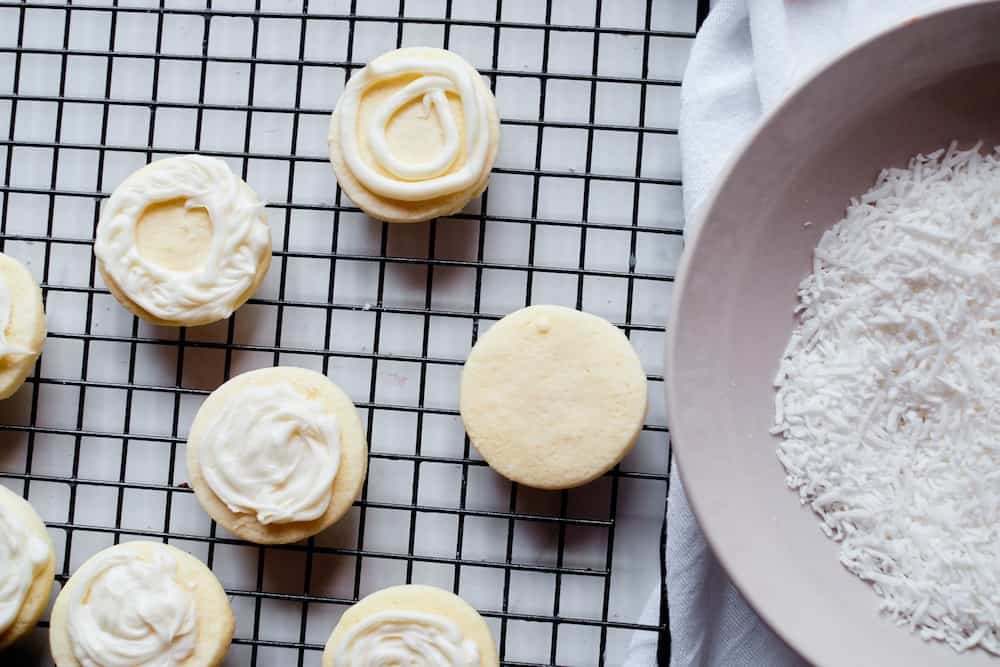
(888, 398)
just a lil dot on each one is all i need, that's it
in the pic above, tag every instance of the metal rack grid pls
(91, 90)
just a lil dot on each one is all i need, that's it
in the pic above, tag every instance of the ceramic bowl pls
(913, 89)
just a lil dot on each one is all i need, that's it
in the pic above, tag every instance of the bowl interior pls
(908, 91)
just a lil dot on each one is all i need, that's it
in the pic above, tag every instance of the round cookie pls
(183, 241)
(146, 600)
(22, 324)
(431, 617)
(400, 140)
(256, 480)
(27, 567)
(552, 397)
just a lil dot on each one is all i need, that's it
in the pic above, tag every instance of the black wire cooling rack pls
(583, 209)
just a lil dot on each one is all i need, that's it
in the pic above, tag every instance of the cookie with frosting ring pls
(27, 567)
(22, 324)
(277, 455)
(183, 241)
(141, 603)
(411, 625)
(414, 135)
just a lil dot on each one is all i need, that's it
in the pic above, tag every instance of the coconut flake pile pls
(889, 394)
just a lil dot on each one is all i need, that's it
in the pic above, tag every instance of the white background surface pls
(90, 397)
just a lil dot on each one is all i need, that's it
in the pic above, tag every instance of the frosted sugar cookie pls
(277, 454)
(411, 625)
(27, 567)
(183, 241)
(22, 324)
(141, 603)
(414, 135)
(553, 397)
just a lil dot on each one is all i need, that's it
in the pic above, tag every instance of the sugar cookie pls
(414, 135)
(277, 454)
(141, 603)
(411, 625)
(27, 567)
(22, 324)
(183, 241)
(553, 397)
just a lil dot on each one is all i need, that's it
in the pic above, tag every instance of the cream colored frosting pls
(21, 554)
(273, 453)
(436, 77)
(6, 304)
(131, 612)
(405, 638)
(240, 239)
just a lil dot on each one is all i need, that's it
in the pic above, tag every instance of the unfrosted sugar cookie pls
(22, 324)
(411, 625)
(553, 397)
(183, 241)
(27, 567)
(277, 454)
(141, 603)
(414, 135)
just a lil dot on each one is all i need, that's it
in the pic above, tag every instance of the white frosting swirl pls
(22, 553)
(435, 78)
(410, 638)
(6, 305)
(131, 612)
(240, 239)
(273, 453)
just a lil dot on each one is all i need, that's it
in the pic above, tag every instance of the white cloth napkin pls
(747, 56)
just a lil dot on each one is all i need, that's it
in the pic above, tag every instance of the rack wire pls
(583, 209)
